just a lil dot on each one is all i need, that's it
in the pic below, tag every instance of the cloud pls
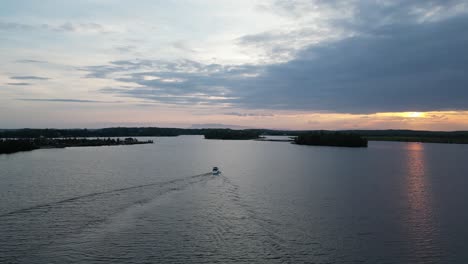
(177, 98)
(126, 48)
(30, 61)
(387, 65)
(15, 26)
(19, 84)
(396, 68)
(182, 82)
(91, 28)
(378, 12)
(183, 45)
(248, 114)
(62, 100)
(29, 78)
(80, 28)
(311, 22)
(282, 45)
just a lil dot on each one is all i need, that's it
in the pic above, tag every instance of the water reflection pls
(420, 223)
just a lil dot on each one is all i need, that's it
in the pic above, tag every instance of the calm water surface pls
(275, 202)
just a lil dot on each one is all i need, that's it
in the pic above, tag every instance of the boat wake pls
(197, 219)
(238, 224)
(45, 207)
(31, 232)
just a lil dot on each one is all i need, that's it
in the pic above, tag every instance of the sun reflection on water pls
(420, 223)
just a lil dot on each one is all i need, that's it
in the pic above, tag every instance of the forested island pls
(335, 139)
(231, 134)
(8, 146)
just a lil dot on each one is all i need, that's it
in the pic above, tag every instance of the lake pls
(274, 202)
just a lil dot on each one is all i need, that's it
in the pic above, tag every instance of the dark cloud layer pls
(397, 68)
(415, 63)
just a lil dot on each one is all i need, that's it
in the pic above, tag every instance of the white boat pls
(216, 171)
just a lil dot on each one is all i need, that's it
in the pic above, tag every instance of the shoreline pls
(10, 146)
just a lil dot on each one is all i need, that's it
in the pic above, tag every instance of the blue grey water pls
(275, 202)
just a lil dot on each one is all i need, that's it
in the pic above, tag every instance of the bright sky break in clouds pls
(274, 64)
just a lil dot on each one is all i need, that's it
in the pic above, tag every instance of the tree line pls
(231, 134)
(8, 146)
(388, 135)
(11, 146)
(336, 139)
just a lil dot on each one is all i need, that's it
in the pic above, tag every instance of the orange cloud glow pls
(434, 120)
(104, 115)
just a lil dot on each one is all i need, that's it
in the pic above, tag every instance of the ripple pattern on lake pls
(35, 233)
(196, 219)
(274, 203)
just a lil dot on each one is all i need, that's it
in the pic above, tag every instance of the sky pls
(280, 64)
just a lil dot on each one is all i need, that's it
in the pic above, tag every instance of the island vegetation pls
(231, 134)
(336, 139)
(8, 146)
(452, 137)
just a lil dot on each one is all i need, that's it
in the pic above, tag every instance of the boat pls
(216, 171)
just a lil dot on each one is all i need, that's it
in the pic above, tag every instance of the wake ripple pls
(30, 234)
(47, 205)
(235, 220)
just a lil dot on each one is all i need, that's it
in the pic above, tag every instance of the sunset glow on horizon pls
(414, 114)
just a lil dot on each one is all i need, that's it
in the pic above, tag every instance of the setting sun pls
(414, 114)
